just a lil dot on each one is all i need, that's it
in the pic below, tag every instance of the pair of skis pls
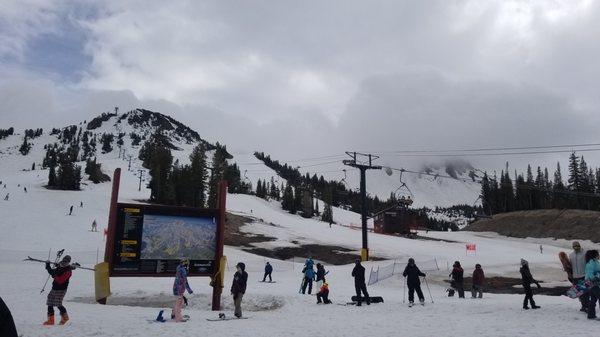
(55, 263)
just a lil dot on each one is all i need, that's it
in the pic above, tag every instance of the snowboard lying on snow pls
(372, 299)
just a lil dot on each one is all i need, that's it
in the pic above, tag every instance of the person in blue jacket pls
(592, 275)
(268, 271)
(309, 277)
(179, 287)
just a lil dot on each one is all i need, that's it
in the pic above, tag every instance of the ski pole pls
(429, 290)
(58, 255)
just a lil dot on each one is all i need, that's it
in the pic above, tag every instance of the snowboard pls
(372, 299)
(267, 281)
(225, 319)
(566, 263)
(161, 319)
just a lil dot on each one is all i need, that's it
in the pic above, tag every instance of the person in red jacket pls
(323, 294)
(478, 282)
(60, 275)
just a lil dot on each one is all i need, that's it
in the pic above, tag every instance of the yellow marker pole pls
(102, 282)
(364, 254)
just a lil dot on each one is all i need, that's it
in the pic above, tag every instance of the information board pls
(150, 240)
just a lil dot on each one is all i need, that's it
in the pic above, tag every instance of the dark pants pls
(265, 277)
(7, 325)
(528, 296)
(307, 282)
(584, 298)
(594, 296)
(362, 288)
(411, 293)
(323, 298)
(61, 309)
(459, 287)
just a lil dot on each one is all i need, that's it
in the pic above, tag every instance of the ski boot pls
(410, 304)
(50, 320)
(422, 302)
(63, 319)
(535, 306)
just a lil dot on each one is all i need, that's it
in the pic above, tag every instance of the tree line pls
(540, 190)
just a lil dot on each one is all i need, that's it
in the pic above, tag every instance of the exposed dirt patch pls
(235, 237)
(566, 224)
(506, 285)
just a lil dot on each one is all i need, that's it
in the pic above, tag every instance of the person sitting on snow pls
(323, 294)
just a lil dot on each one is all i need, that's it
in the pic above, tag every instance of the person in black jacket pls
(527, 280)
(413, 281)
(7, 325)
(457, 281)
(60, 275)
(268, 271)
(321, 275)
(359, 283)
(238, 288)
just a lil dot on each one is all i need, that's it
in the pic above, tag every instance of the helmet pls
(65, 261)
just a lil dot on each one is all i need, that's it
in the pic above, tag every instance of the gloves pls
(75, 265)
(191, 291)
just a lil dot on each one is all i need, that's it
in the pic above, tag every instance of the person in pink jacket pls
(179, 287)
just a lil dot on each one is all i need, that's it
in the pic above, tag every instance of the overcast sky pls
(310, 78)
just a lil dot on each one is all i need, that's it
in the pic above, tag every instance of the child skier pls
(478, 281)
(238, 288)
(457, 280)
(323, 294)
(179, 287)
(60, 275)
(413, 281)
(527, 280)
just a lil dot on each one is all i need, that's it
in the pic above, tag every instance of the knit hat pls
(411, 261)
(65, 261)
(524, 262)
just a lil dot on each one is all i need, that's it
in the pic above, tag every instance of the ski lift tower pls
(363, 166)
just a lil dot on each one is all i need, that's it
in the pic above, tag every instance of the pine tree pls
(259, 189)
(25, 147)
(287, 201)
(327, 215)
(52, 177)
(198, 176)
(317, 212)
(574, 173)
(219, 163)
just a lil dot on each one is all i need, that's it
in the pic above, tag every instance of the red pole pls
(112, 218)
(218, 278)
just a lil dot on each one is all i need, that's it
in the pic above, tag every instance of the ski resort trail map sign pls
(150, 240)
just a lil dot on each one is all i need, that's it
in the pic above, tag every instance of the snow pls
(34, 222)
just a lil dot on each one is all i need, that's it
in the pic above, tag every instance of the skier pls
(268, 271)
(7, 324)
(81, 204)
(323, 294)
(321, 275)
(527, 280)
(71, 210)
(359, 283)
(6, 197)
(457, 280)
(478, 282)
(592, 275)
(541, 249)
(179, 287)
(577, 259)
(413, 281)
(309, 277)
(94, 226)
(238, 288)
(25, 189)
(60, 275)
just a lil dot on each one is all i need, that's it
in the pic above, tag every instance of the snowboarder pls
(321, 275)
(592, 275)
(527, 280)
(359, 283)
(6, 197)
(323, 294)
(577, 260)
(309, 277)
(179, 287)
(7, 324)
(60, 275)
(94, 226)
(413, 281)
(71, 210)
(238, 288)
(268, 271)
(457, 280)
(478, 282)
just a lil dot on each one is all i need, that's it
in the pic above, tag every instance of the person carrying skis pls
(309, 277)
(323, 294)
(238, 288)
(60, 282)
(578, 262)
(457, 280)
(527, 279)
(359, 283)
(413, 281)
(321, 275)
(268, 271)
(478, 282)
(592, 276)
(180, 285)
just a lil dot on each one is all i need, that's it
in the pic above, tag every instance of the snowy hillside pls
(36, 221)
